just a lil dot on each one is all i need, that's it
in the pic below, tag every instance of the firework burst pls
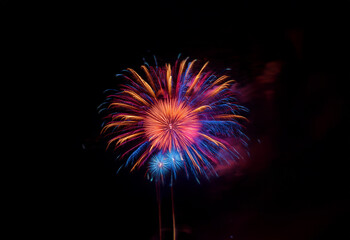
(174, 117)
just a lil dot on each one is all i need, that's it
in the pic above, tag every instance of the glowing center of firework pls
(170, 124)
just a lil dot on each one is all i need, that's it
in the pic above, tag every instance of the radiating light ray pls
(194, 81)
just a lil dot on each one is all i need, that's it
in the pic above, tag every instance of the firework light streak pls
(173, 118)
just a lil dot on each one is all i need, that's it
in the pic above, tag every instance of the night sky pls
(290, 60)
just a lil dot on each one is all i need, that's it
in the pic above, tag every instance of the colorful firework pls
(174, 118)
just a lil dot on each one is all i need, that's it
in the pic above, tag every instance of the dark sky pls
(294, 188)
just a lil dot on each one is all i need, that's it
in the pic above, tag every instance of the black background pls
(60, 56)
